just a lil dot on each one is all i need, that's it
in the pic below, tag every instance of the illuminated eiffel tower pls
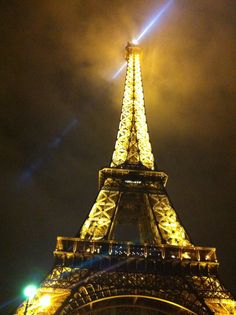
(132, 254)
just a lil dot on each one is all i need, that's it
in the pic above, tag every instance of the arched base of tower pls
(131, 305)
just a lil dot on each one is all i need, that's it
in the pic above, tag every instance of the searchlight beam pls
(144, 31)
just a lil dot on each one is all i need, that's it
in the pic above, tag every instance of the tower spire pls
(133, 148)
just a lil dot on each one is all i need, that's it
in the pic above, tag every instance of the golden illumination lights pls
(133, 145)
(97, 225)
(158, 266)
(171, 229)
(133, 149)
(45, 302)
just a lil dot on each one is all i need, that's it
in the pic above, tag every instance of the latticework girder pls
(132, 145)
(99, 221)
(85, 283)
(151, 196)
(159, 271)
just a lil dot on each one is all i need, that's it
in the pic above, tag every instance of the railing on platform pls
(76, 246)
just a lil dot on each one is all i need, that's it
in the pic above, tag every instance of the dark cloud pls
(58, 58)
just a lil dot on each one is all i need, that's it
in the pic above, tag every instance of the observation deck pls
(149, 258)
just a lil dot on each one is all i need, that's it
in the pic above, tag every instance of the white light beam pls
(159, 14)
(119, 71)
(135, 41)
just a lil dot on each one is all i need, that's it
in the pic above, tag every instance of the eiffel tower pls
(132, 255)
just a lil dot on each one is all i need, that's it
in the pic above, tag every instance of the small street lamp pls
(29, 293)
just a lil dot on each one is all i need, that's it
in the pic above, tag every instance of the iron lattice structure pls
(132, 255)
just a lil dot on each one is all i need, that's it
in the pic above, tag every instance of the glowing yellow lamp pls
(45, 301)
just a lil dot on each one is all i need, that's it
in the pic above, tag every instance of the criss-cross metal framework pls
(102, 271)
(133, 145)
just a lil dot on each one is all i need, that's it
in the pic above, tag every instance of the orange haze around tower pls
(58, 58)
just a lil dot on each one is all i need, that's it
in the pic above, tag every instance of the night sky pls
(60, 112)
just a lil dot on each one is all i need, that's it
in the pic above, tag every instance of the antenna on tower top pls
(132, 48)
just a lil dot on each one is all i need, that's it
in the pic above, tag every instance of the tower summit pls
(132, 254)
